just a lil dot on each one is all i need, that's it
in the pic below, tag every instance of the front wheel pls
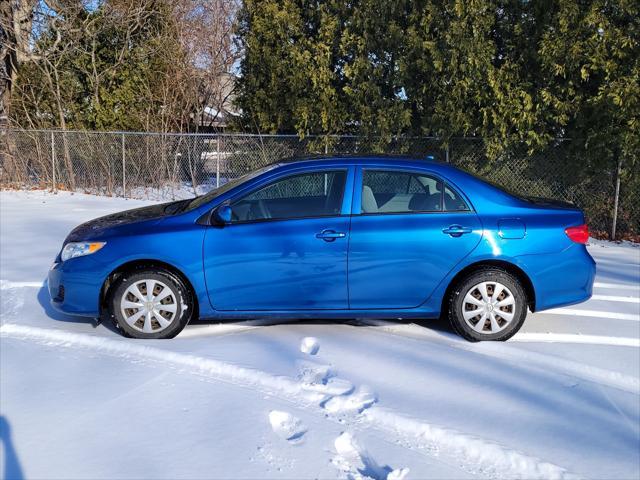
(151, 304)
(489, 304)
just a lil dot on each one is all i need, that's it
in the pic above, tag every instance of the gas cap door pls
(511, 228)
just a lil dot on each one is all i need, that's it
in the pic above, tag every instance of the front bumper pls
(74, 287)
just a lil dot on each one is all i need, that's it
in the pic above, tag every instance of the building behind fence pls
(172, 166)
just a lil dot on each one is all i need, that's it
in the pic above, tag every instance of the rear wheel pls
(489, 304)
(151, 304)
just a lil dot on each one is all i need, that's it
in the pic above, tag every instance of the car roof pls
(376, 160)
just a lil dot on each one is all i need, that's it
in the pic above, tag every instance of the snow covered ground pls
(309, 399)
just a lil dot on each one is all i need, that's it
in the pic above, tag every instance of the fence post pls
(124, 174)
(218, 161)
(53, 162)
(446, 153)
(615, 200)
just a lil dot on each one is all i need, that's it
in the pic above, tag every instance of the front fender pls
(180, 249)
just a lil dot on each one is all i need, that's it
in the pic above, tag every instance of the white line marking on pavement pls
(575, 338)
(593, 313)
(617, 286)
(614, 298)
(548, 363)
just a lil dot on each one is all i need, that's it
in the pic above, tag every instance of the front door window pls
(299, 196)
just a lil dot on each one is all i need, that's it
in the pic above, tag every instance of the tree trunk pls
(16, 19)
(7, 61)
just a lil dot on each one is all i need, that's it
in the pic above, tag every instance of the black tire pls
(179, 297)
(457, 306)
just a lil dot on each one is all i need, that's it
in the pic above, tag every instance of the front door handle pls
(330, 235)
(456, 230)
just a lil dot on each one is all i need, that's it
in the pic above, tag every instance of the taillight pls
(579, 234)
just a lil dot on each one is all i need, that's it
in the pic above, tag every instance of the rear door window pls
(407, 192)
(399, 192)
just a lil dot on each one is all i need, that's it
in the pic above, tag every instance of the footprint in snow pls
(333, 386)
(357, 402)
(321, 378)
(356, 463)
(309, 345)
(312, 372)
(287, 427)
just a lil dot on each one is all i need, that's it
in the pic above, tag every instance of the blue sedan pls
(366, 237)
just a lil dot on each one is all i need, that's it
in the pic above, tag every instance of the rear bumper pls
(75, 291)
(561, 279)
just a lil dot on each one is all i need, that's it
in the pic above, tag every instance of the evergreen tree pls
(591, 61)
(289, 81)
(509, 71)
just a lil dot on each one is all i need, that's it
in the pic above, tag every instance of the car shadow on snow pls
(435, 324)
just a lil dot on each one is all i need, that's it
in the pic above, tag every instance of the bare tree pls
(206, 29)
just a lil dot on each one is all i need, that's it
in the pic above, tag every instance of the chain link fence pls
(173, 166)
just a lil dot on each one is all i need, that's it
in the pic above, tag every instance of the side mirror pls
(221, 215)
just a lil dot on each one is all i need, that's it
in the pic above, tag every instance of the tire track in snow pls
(481, 457)
(133, 349)
(7, 284)
(475, 455)
(500, 350)
(12, 299)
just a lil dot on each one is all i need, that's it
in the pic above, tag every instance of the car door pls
(408, 230)
(285, 247)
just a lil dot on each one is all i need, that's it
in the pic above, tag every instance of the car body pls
(347, 250)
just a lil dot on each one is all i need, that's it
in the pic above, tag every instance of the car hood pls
(97, 227)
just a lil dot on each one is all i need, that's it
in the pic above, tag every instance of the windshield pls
(207, 197)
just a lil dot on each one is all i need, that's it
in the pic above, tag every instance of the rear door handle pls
(330, 235)
(456, 230)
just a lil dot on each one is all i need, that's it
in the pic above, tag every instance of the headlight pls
(78, 249)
